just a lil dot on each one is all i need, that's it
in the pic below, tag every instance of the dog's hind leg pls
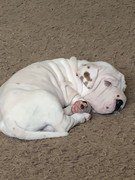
(15, 131)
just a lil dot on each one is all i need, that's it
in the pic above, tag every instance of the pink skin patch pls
(79, 107)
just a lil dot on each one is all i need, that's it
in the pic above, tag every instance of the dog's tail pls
(21, 133)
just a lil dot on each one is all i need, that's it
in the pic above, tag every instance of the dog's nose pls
(119, 103)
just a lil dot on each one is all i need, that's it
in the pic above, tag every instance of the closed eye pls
(107, 83)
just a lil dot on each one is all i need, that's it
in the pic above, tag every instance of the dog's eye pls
(107, 83)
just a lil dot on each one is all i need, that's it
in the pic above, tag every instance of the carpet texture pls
(30, 31)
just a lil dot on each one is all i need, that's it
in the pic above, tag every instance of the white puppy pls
(48, 98)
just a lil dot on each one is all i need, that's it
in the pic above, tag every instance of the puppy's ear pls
(122, 82)
(88, 74)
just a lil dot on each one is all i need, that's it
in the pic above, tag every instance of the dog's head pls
(104, 86)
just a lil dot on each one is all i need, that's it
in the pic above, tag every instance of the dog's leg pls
(61, 129)
(68, 110)
(74, 102)
(70, 94)
(69, 122)
(29, 117)
(21, 133)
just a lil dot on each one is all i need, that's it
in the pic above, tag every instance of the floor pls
(30, 31)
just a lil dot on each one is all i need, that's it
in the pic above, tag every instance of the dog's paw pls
(81, 117)
(81, 107)
(87, 116)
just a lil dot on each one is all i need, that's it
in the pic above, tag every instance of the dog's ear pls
(122, 82)
(88, 74)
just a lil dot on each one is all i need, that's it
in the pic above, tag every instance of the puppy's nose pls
(119, 103)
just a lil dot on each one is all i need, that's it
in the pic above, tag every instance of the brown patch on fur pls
(87, 76)
(88, 67)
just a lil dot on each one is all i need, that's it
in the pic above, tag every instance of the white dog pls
(48, 98)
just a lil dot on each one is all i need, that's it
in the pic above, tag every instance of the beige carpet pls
(30, 31)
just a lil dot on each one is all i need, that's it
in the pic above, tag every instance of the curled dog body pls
(48, 98)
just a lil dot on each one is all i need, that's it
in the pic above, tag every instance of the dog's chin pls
(103, 113)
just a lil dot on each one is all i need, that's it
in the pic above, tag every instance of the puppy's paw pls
(81, 107)
(87, 116)
(81, 117)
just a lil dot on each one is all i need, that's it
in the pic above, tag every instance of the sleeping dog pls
(46, 99)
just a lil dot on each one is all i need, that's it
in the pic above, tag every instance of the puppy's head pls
(104, 85)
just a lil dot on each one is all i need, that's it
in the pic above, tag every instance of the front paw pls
(81, 107)
(81, 117)
(85, 117)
